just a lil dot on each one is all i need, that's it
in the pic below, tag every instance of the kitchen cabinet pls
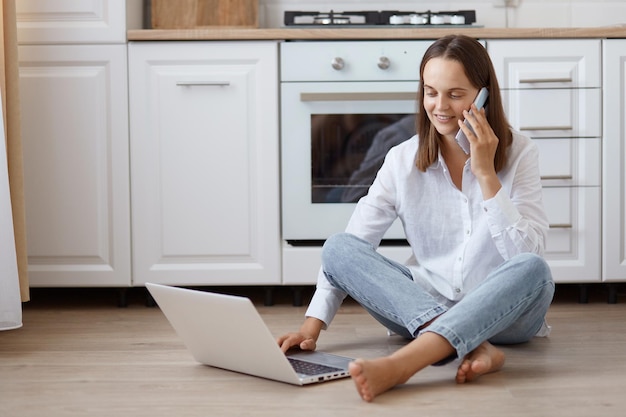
(614, 158)
(552, 92)
(74, 107)
(202, 160)
(69, 22)
(204, 163)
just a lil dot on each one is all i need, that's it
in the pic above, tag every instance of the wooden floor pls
(78, 354)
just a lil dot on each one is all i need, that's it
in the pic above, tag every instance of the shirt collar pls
(439, 162)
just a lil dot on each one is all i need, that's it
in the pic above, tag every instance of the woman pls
(476, 226)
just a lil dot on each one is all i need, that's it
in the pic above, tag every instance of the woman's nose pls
(442, 102)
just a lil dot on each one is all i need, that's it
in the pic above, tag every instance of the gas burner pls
(331, 18)
(381, 18)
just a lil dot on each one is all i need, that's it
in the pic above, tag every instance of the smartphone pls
(479, 102)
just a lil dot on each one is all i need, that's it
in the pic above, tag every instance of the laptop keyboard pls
(308, 368)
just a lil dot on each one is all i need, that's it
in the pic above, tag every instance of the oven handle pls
(357, 96)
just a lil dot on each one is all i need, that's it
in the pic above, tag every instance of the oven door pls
(334, 137)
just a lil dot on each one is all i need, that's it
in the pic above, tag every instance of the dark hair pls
(479, 70)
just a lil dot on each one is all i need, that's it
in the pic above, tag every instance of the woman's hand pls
(298, 339)
(305, 339)
(483, 145)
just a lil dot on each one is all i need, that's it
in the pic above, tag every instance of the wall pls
(528, 13)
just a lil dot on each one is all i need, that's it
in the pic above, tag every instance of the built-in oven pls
(343, 106)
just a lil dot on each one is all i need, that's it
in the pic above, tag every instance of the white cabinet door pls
(72, 21)
(75, 137)
(555, 113)
(543, 63)
(204, 162)
(614, 155)
(551, 91)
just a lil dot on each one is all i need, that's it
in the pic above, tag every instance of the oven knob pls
(383, 62)
(337, 63)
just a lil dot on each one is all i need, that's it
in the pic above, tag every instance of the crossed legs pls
(509, 307)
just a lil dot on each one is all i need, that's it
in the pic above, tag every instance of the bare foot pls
(485, 359)
(373, 377)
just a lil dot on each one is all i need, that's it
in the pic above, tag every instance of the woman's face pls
(447, 92)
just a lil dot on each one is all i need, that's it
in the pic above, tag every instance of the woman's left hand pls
(483, 144)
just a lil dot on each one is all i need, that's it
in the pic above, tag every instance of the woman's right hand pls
(298, 339)
(305, 339)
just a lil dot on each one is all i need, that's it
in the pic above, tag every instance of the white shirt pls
(456, 237)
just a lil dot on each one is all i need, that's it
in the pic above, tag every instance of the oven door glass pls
(347, 150)
(334, 137)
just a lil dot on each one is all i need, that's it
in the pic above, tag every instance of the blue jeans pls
(508, 307)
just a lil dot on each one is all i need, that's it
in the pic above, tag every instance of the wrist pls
(489, 185)
(312, 327)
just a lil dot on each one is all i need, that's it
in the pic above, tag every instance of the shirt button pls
(457, 290)
(485, 208)
(467, 232)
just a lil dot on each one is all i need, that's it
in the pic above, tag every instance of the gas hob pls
(385, 18)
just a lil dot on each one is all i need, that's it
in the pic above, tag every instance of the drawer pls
(573, 242)
(313, 61)
(574, 218)
(570, 162)
(555, 112)
(545, 63)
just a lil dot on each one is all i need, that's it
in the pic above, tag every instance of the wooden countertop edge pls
(233, 33)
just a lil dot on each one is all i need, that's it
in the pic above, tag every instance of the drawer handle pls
(357, 96)
(556, 177)
(203, 83)
(560, 226)
(546, 128)
(545, 80)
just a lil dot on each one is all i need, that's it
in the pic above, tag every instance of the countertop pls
(233, 33)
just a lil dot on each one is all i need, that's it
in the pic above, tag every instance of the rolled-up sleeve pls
(326, 300)
(516, 216)
(373, 215)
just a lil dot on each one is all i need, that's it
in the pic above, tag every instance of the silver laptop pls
(227, 332)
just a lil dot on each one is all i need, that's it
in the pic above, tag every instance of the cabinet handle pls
(545, 80)
(357, 96)
(560, 226)
(556, 177)
(203, 83)
(546, 128)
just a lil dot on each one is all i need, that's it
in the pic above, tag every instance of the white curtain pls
(13, 254)
(10, 299)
